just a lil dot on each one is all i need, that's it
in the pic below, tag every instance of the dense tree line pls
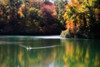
(28, 17)
(78, 18)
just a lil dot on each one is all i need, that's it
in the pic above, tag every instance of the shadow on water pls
(49, 52)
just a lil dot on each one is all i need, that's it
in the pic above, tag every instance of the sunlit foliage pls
(80, 17)
(60, 9)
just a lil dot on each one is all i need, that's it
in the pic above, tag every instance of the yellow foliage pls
(20, 12)
(4, 2)
(72, 15)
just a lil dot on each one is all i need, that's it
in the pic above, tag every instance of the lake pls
(48, 51)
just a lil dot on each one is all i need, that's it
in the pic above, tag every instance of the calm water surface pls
(48, 51)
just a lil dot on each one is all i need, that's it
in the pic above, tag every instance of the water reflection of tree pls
(72, 53)
(11, 55)
(81, 53)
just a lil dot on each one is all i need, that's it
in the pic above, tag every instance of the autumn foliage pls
(28, 17)
(80, 18)
(48, 10)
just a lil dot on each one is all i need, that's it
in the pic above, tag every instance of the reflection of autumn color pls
(51, 57)
(69, 50)
(76, 56)
(20, 58)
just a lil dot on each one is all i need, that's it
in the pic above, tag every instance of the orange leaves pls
(76, 1)
(7, 11)
(72, 1)
(48, 9)
(1, 12)
(70, 25)
(21, 14)
(41, 29)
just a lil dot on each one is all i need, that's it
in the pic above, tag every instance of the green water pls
(20, 51)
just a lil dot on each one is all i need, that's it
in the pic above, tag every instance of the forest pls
(68, 18)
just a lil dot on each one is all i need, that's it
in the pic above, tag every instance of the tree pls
(80, 19)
